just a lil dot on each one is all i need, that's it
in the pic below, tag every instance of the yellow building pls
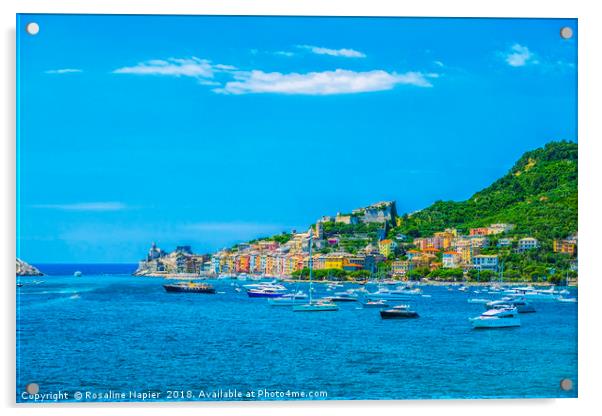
(386, 247)
(334, 261)
(565, 246)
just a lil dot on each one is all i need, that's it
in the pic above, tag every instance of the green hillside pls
(539, 195)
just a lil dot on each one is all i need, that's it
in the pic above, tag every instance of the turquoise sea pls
(111, 336)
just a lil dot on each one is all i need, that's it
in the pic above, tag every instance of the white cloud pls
(347, 53)
(284, 53)
(339, 81)
(519, 55)
(439, 64)
(85, 206)
(175, 67)
(63, 71)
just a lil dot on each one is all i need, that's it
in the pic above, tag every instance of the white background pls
(590, 189)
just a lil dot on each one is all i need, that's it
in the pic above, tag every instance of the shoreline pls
(187, 276)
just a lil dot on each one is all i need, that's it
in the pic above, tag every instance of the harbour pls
(128, 333)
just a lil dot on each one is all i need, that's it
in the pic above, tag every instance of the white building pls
(500, 228)
(451, 259)
(527, 243)
(485, 262)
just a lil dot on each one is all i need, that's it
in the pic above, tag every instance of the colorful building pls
(479, 231)
(565, 246)
(485, 262)
(387, 247)
(451, 259)
(401, 268)
(527, 243)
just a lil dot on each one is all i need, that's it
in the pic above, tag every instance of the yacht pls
(497, 318)
(398, 312)
(343, 297)
(541, 296)
(479, 300)
(375, 304)
(566, 300)
(289, 299)
(401, 293)
(265, 285)
(265, 293)
(521, 305)
(190, 287)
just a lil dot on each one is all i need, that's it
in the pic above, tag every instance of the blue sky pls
(212, 130)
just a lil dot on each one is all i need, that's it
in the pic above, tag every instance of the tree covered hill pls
(539, 195)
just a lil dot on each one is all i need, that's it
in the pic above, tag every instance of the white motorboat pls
(375, 304)
(479, 300)
(566, 300)
(520, 303)
(384, 294)
(541, 296)
(497, 318)
(347, 296)
(289, 299)
(266, 285)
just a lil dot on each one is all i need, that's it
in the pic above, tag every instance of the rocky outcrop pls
(24, 269)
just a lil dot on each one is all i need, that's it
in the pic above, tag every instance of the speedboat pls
(407, 290)
(521, 305)
(566, 300)
(398, 312)
(463, 288)
(375, 304)
(342, 297)
(77, 274)
(541, 296)
(317, 306)
(264, 293)
(479, 300)
(288, 299)
(497, 318)
(265, 285)
(190, 287)
(403, 293)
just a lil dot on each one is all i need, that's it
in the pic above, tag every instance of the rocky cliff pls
(24, 269)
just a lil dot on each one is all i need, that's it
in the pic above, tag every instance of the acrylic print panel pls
(296, 208)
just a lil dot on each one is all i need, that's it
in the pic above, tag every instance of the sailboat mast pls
(310, 263)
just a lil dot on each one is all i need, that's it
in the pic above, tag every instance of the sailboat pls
(314, 305)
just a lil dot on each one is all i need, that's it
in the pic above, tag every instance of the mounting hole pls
(566, 32)
(566, 384)
(32, 28)
(32, 388)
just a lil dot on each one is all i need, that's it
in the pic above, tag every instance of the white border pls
(590, 211)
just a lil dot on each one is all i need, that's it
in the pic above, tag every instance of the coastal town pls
(362, 244)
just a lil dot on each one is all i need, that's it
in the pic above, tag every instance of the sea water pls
(110, 336)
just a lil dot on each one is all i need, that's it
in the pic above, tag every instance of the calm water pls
(116, 332)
